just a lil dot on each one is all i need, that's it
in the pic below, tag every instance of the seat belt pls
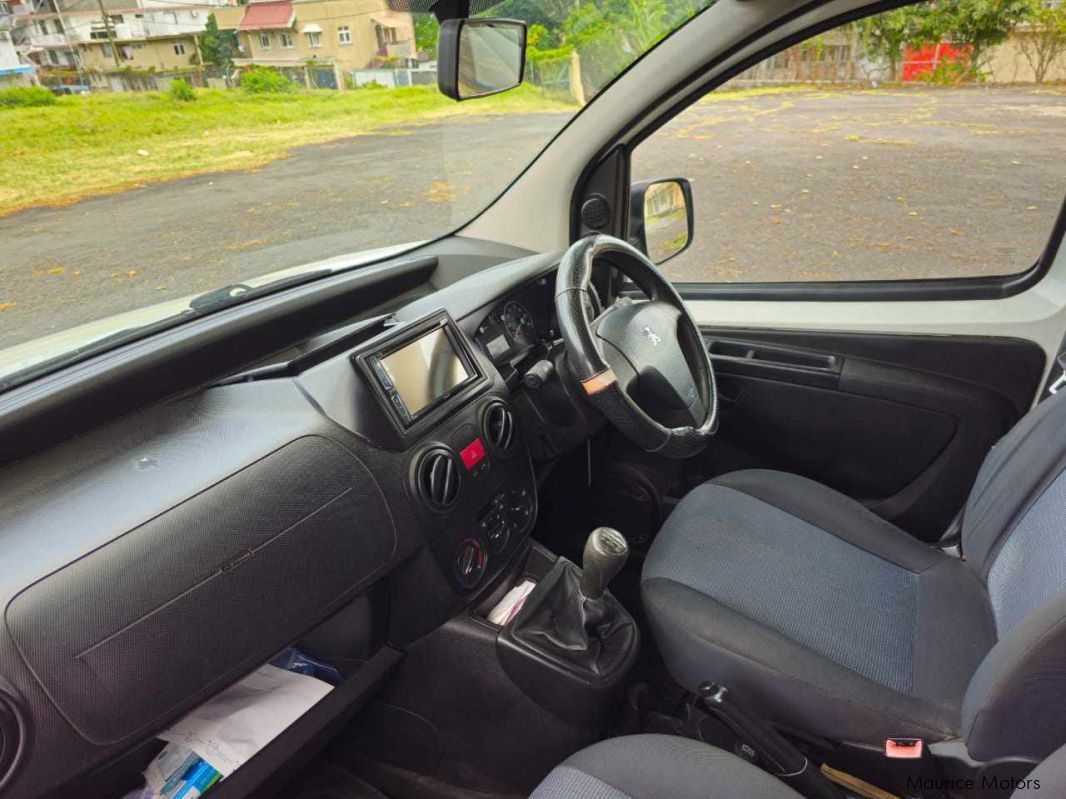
(1056, 385)
(1059, 382)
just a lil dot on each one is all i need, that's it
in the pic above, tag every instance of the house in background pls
(346, 34)
(148, 35)
(39, 35)
(833, 57)
(13, 70)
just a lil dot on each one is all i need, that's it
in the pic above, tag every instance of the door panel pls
(899, 422)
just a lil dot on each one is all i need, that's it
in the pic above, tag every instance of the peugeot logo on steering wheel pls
(651, 335)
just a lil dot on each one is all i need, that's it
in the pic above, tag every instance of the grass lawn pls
(102, 143)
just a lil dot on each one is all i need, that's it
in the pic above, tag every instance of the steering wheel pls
(642, 364)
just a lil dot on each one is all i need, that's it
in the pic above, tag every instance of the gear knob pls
(606, 552)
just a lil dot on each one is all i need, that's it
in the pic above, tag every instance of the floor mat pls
(324, 780)
(403, 784)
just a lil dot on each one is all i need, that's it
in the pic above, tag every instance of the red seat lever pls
(904, 748)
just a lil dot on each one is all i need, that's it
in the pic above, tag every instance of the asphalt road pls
(866, 185)
(799, 185)
(66, 266)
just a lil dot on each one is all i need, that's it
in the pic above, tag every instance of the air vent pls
(500, 427)
(11, 738)
(438, 478)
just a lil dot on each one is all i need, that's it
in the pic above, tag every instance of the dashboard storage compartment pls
(167, 614)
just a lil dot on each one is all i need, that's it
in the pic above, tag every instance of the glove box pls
(167, 614)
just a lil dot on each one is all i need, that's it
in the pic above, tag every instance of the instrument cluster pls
(519, 322)
(523, 320)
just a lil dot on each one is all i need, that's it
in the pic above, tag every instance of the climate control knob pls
(471, 559)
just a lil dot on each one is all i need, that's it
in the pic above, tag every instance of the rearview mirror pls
(660, 217)
(479, 57)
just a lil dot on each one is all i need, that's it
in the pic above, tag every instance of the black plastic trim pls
(506, 448)
(58, 405)
(14, 733)
(448, 54)
(279, 761)
(635, 226)
(748, 358)
(412, 423)
(997, 287)
(425, 493)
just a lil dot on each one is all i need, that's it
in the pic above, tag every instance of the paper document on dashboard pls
(230, 728)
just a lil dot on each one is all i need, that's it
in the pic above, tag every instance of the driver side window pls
(891, 148)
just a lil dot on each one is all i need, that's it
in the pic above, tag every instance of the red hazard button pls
(472, 453)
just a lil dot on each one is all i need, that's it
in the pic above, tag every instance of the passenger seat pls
(659, 767)
(670, 767)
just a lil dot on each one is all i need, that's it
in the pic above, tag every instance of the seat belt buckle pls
(904, 748)
(1060, 381)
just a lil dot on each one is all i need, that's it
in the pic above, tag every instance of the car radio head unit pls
(424, 370)
(421, 367)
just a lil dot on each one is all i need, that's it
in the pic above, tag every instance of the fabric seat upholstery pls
(658, 767)
(834, 622)
(661, 766)
(829, 617)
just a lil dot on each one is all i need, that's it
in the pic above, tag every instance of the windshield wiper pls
(236, 293)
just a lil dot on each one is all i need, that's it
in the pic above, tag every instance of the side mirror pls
(660, 217)
(479, 57)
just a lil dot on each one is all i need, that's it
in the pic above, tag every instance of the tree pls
(217, 47)
(978, 24)
(885, 35)
(609, 35)
(426, 31)
(549, 13)
(1044, 39)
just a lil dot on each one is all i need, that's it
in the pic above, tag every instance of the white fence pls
(391, 78)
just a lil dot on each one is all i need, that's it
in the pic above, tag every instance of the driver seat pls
(834, 623)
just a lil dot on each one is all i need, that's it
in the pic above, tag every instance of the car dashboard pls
(155, 560)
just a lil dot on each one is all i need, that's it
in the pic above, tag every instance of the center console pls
(572, 642)
(485, 705)
(491, 707)
(429, 394)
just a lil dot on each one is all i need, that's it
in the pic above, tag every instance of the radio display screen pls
(424, 370)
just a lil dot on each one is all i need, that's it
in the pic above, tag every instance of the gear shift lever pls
(606, 552)
(571, 620)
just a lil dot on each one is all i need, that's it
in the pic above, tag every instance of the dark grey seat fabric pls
(665, 767)
(1047, 779)
(658, 767)
(835, 622)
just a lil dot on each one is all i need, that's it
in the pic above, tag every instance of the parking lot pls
(791, 185)
(866, 185)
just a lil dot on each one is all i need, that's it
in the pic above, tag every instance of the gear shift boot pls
(591, 636)
(571, 645)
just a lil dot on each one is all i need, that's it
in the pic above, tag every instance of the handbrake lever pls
(780, 756)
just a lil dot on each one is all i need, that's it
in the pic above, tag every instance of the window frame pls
(179, 48)
(314, 39)
(285, 40)
(690, 92)
(264, 40)
(344, 35)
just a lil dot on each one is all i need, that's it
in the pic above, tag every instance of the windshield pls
(163, 151)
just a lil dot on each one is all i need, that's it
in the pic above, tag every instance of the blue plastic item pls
(292, 659)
